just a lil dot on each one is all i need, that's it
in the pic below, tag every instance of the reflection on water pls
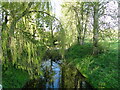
(52, 74)
(57, 75)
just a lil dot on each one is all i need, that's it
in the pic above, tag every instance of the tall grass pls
(101, 70)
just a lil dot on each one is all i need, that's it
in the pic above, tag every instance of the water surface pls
(58, 75)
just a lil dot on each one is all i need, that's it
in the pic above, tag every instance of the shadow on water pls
(57, 75)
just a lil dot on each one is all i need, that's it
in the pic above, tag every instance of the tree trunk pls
(85, 28)
(95, 29)
(78, 26)
(82, 20)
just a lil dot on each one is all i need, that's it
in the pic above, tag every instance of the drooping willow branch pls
(27, 12)
(16, 19)
(43, 12)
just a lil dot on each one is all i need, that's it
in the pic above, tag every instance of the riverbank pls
(14, 78)
(102, 70)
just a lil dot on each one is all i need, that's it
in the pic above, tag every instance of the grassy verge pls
(101, 70)
(14, 78)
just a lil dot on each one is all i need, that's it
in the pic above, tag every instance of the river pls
(59, 75)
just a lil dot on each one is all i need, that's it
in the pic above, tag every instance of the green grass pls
(101, 70)
(14, 78)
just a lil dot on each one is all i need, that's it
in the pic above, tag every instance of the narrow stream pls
(57, 75)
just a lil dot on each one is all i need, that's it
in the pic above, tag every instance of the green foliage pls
(101, 70)
(30, 33)
(77, 51)
(14, 78)
(24, 41)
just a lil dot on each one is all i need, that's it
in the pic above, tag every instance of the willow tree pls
(77, 18)
(82, 17)
(68, 20)
(14, 14)
(99, 10)
(21, 34)
(82, 20)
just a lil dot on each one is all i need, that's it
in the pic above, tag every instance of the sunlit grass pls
(101, 70)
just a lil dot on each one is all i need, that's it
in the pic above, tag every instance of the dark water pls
(57, 75)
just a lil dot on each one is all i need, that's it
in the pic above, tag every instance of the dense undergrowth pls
(14, 77)
(100, 70)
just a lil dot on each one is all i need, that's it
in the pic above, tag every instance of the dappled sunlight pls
(59, 44)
